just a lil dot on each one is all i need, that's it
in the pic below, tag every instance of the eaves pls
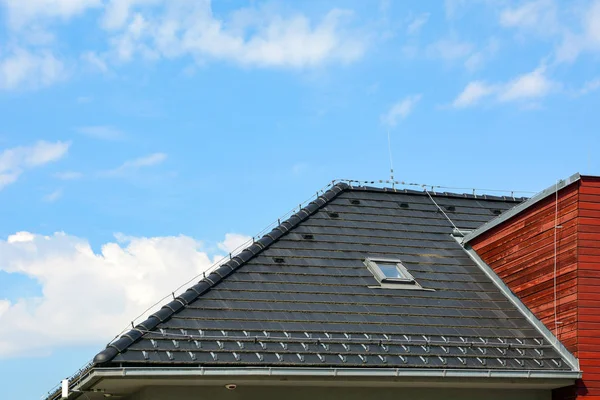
(101, 381)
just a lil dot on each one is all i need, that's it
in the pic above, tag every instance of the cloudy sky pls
(142, 140)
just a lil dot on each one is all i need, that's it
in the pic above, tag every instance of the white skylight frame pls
(405, 277)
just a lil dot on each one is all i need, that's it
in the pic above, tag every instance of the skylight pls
(389, 271)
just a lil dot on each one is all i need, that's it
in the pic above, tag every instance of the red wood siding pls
(521, 251)
(588, 285)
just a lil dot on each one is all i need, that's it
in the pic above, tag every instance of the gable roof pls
(301, 296)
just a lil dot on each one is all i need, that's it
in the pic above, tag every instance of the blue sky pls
(141, 140)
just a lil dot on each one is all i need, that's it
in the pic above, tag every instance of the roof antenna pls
(391, 161)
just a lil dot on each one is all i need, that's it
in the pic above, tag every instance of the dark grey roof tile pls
(292, 300)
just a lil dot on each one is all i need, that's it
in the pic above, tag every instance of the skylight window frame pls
(375, 269)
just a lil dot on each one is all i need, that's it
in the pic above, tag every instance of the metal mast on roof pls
(391, 161)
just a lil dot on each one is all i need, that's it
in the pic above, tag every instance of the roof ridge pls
(483, 196)
(216, 276)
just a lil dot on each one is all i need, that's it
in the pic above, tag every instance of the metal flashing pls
(521, 207)
(548, 335)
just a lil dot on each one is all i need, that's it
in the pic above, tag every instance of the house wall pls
(334, 393)
(521, 252)
(588, 286)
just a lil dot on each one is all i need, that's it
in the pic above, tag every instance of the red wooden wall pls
(522, 252)
(588, 288)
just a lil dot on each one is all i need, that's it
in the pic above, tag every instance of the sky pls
(143, 140)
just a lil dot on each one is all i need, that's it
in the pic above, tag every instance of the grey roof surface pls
(302, 296)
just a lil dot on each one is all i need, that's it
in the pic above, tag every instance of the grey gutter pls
(548, 335)
(99, 374)
(521, 207)
(337, 372)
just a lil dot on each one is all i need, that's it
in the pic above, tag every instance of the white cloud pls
(118, 12)
(146, 161)
(137, 163)
(417, 23)
(457, 9)
(592, 23)
(22, 69)
(477, 59)
(20, 237)
(570, 48)
(234, 243)
(575, 26)
(588, 40)
(4, 306)
(23, 12)
(474, 61)
(103, 132)
(52, 197)
(14, 161)
(248, 37)
(68, 175)
(120, 282)
(256, 36)
(472, 94)
(590, 86)
(534, 84)
(530, 86)
(41, 153)
(400, 110)
(450, 49)
(537, 16)
(453, 7)
(95, 61)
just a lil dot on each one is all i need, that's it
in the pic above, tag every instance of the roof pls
(301, 296)
(522, 207)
